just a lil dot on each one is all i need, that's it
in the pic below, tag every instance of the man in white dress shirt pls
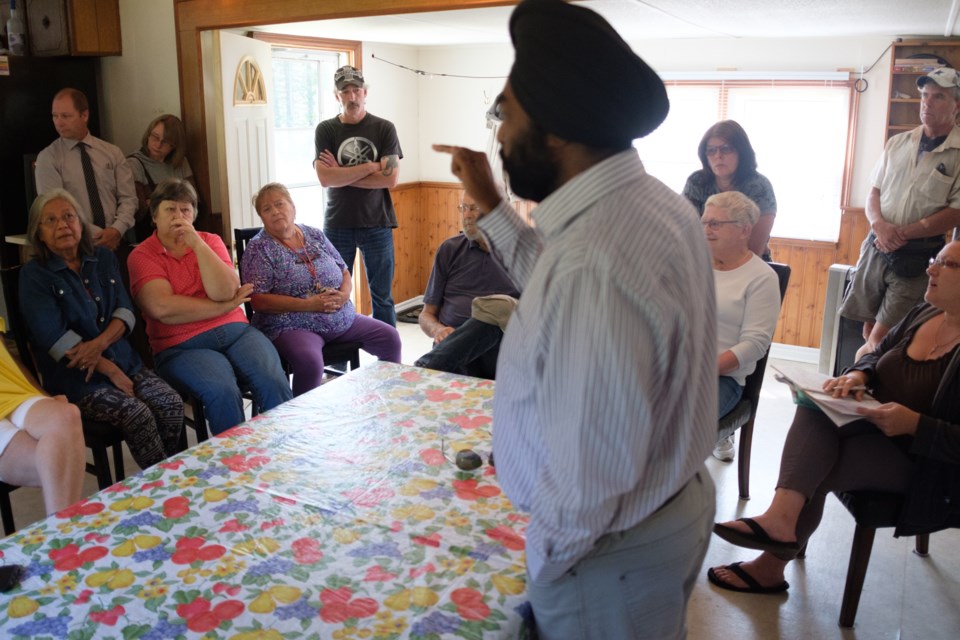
(606, 398)
(104, 188)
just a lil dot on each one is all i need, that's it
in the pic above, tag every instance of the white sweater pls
(748, 304)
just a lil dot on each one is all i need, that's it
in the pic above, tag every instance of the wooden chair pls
(335, 354)
(98, 436)
(743, 415)
(871, 510)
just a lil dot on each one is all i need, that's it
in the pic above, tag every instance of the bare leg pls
(766, 569)
(60, 451)
(780, 518)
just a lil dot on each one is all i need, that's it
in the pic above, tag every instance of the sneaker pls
(724, 450)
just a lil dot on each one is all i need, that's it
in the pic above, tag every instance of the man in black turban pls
(606, 398)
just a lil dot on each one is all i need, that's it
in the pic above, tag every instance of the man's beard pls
(533, 172)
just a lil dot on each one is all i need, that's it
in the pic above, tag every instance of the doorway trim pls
(192, 17)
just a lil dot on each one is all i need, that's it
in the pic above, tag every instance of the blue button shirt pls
(62, 308)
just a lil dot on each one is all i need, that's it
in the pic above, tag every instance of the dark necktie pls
(96, 206)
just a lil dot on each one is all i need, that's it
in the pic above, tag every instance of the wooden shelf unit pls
(903, 114)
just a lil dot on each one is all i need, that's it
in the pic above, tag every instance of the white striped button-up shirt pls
(606, 394)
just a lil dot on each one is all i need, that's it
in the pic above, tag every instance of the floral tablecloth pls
(336, 515)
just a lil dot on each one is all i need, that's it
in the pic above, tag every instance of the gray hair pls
(175, 190)
(267, 188)
(40, 250)
(740, 208)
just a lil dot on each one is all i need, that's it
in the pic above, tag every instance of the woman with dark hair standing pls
(162, 155)
(730, 164)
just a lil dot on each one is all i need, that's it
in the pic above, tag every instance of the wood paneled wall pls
(427, 214)
(801, 317)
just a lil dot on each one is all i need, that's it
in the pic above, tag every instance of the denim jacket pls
(62, 309)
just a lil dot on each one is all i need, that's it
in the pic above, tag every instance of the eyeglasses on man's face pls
(945, 262)
(713, 225)
(724, 150)
(472, 208)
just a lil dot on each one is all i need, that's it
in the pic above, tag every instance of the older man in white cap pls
(914, 201)
(606, 397)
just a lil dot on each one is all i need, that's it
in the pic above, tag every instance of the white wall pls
(142, 83)
(392, 94)
(452, 109)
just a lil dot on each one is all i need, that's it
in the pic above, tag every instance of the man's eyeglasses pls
(463, 208)
(713, 225)
(54, 221)
(945, 262)
(724, 150)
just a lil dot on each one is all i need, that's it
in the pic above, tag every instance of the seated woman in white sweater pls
(748, 297)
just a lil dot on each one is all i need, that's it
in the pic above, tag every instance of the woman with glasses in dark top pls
(909, 444)
(730, 164)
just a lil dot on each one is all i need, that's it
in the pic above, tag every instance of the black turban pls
(577, 79)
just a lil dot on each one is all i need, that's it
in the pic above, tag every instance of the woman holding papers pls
(910, 444)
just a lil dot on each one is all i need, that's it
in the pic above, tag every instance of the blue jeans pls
(729, 396)
(471, 349)
(214, 365)
(376, 248)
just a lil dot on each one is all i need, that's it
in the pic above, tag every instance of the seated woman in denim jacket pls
(78, 315)
(190, 294)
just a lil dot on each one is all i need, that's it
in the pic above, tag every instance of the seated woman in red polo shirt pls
(190, 294)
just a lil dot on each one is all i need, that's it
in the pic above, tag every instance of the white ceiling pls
(656, 19)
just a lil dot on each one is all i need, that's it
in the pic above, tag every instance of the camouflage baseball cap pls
(347, 75)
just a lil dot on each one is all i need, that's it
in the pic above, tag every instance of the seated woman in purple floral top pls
(301, 292)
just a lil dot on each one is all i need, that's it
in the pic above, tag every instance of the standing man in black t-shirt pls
(358, 162)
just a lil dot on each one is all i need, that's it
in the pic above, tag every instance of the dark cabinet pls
(74, 27)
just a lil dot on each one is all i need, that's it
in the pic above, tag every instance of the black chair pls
(6, 509)
(335, 354)
(98, 436)
(743, 415)
(871, 510)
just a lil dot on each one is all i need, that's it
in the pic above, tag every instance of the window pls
(303, 93)
(800, 130)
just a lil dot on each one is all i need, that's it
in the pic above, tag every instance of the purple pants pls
(304, 349)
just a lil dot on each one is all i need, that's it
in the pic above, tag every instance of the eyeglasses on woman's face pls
(54, 221)
(945, 262)
(160, 141)
(713, 225)
(724, 150)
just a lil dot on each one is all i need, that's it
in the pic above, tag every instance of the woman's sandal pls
(758, 540)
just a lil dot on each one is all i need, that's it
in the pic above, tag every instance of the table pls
(336, 515)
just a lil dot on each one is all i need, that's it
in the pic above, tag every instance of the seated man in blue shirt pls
(463, 270)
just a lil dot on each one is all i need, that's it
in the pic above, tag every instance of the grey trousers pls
(634, 583)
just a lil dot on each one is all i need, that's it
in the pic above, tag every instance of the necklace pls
(937, 345)
(306, 258)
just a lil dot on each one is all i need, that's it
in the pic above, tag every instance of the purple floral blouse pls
(272, 267)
